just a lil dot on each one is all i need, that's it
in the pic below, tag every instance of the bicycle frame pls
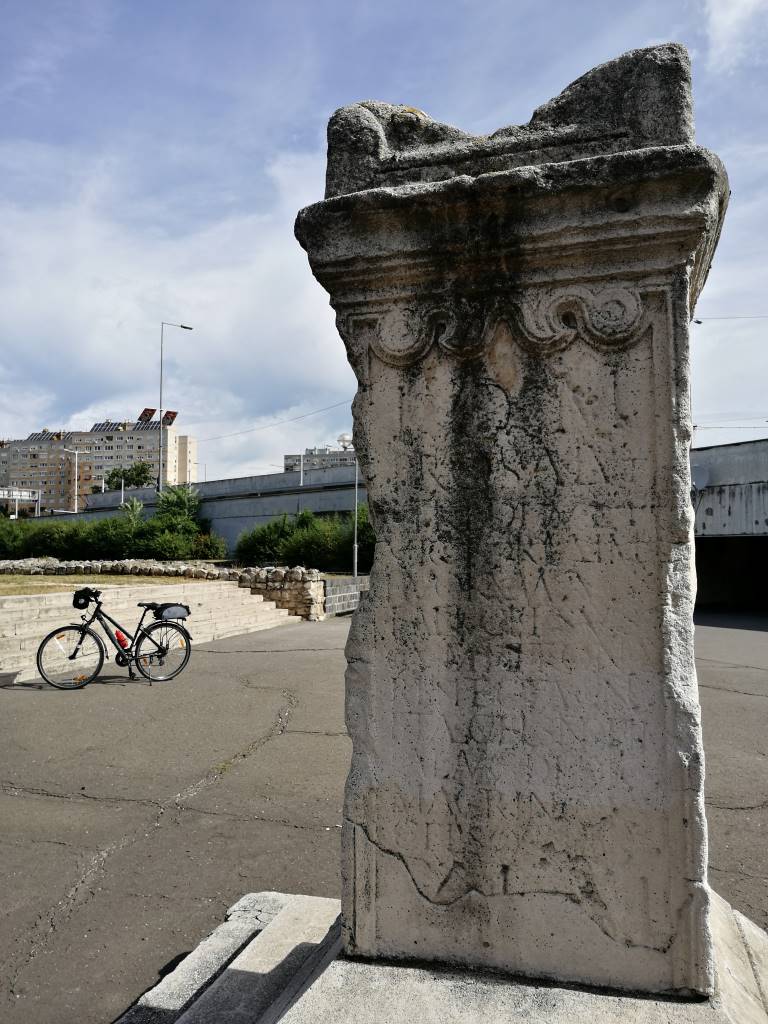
(100, 616)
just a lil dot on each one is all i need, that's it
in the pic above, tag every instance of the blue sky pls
(153, 156)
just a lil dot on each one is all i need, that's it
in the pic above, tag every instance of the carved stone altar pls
(526, 790)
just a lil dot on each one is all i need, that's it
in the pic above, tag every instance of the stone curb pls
(166, 1001)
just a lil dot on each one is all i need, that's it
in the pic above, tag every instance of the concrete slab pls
(291, 973)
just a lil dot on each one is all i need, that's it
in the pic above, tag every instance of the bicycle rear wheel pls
(163, 651)
(70, 657)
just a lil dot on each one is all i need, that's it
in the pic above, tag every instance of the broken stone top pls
(637, 101)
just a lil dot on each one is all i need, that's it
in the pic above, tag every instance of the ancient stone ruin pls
(526, 791)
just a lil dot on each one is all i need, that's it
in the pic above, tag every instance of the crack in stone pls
(584, 898)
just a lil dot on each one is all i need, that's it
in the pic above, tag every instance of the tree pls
(137, 475)
(141, 474)
(182, 502)
(132, 510)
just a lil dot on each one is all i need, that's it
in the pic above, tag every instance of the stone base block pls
(291, 972)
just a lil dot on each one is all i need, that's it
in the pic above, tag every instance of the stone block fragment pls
(526, 789)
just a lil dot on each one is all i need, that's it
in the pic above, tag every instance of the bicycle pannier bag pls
(172, 611)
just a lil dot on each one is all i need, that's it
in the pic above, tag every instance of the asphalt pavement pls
(133, 816)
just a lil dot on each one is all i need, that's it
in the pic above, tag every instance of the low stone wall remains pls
(304, 592)
(342, 593)
(119, 567)
(300, 590)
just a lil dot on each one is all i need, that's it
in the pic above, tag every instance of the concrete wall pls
(731, 497)
(241, 503)
(741, 463)
(732, 510)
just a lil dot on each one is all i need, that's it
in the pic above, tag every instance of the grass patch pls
(22, 585)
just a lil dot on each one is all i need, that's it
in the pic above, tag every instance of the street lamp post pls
(345, 440)
(163, 325)
(76, 453)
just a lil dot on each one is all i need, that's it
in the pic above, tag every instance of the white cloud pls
(46, 37)
(83, 296)
(736, 31)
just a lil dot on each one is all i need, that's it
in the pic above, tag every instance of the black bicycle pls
(72, 656)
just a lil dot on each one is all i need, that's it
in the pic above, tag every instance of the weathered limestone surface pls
(526, 785)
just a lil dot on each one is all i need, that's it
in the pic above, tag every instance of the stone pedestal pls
(526, 785)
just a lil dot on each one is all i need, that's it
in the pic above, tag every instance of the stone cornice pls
(659, 206)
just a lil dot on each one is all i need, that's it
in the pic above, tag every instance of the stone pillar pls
(526, 789)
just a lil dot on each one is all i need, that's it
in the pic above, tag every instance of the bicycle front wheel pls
(163, 651)
(70, 657)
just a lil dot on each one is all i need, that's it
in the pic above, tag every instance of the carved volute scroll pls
(543, 322)
(526, 787)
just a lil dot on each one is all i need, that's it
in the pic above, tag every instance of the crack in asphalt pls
(269, 650)
(83, 889)
(727, 689)
(738, 807)
(737, 873)
(212, 776)
(11, 789)
(314, 732)
(730, 664)
(230, 815)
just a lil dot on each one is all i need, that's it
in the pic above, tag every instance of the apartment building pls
(45, 460)
(319, 458)
(186, 460)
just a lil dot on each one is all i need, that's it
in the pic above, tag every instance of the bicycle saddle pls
(147, 604)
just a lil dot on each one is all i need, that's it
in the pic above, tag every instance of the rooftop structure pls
(45, 459)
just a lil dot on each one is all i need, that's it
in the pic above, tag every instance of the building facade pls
(319, 458)
(45, 460)
(186, 460)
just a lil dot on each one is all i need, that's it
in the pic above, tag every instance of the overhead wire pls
(274, 423)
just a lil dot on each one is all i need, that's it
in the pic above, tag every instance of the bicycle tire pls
(152, 665)
(74, 678)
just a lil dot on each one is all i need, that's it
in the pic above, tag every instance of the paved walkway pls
(132, 817)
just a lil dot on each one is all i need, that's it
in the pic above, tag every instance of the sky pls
(154, 153)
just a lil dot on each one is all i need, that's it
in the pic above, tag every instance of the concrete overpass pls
(241, 503)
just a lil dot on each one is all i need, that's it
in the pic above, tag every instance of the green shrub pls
(110, 538)
(261, 546)
(12, 538)
(317, 542)
(209, 546)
